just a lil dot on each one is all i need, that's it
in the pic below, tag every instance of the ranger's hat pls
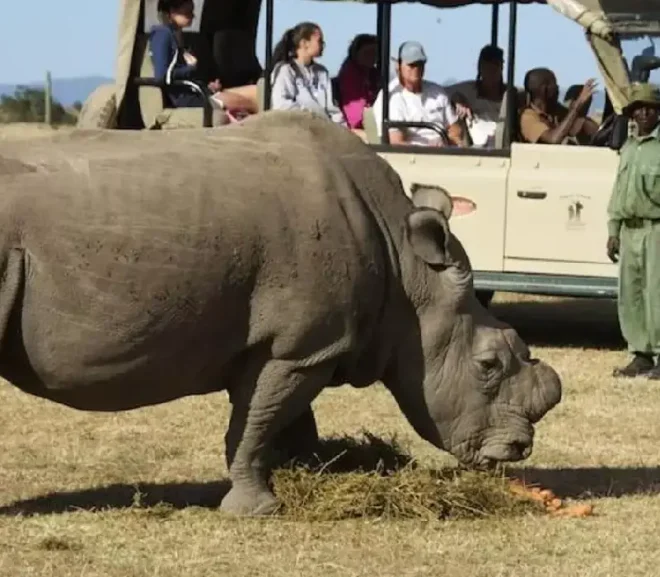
(643, 93)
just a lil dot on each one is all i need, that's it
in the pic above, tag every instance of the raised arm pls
(556, 135)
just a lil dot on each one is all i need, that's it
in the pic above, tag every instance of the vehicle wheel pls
(100, 109)
(485, 297)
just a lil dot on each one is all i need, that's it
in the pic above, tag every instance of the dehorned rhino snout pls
(541, 383)
(546, 390)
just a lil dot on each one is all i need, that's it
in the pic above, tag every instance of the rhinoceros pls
(271, 259)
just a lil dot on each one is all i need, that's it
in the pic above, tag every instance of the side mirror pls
(642, 67)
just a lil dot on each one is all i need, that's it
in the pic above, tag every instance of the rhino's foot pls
(247, 501)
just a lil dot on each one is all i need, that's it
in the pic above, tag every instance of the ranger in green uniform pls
(634, 234)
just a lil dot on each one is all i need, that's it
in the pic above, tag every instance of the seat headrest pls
(235, 58)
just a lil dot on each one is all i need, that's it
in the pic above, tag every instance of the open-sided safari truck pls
(222, 37)
(540, 219)
(540, 224)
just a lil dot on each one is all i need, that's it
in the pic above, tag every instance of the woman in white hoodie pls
(298, 81)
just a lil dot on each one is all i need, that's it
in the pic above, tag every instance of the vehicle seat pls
(155, 109)
(370, 126)
(336, 93)
(235, 59)
(501, 119)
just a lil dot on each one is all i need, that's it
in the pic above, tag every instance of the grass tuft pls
(375, 478)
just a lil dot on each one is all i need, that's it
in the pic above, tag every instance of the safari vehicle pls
(222, 37)
(540, 220)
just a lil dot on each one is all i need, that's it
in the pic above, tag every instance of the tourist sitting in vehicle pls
(483, 96)
(414, 99)
(584, 127)
(544, 119)
(172, 61)
(298, 81)
(358, 79)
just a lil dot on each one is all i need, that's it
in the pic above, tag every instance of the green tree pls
(28, 105)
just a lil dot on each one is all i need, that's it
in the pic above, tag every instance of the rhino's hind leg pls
(277, 410)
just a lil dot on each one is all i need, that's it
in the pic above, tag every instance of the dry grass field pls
(136, 494)
(27, 130)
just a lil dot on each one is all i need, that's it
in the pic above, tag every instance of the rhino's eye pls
(489, 366)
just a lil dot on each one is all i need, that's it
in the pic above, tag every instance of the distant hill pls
(65, 90)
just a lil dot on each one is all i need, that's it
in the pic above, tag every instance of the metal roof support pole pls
(495, 25)
(268, 60)
(512, 93)
(384, 27)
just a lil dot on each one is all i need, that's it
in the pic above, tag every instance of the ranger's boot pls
(641, 365)
(654, 373)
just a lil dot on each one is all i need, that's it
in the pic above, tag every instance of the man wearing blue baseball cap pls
(414, 99)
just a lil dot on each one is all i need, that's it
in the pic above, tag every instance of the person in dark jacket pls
(172, 61)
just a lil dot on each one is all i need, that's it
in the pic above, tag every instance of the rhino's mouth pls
(510, 440)
(497, 451)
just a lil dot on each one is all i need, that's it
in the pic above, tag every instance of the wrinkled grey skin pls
(269, 259)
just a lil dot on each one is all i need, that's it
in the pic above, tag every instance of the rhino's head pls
(481, 390)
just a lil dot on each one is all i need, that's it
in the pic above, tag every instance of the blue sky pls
(78, 37)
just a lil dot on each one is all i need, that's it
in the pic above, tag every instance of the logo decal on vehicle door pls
(575, 212)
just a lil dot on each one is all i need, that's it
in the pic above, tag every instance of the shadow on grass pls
(345, 456)
(579, 322)
(593, 482)
(122, 496)
(333, 455)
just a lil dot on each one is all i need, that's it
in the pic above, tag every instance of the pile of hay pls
(374, 478)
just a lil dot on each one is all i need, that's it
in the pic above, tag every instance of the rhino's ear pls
(430, 196)
(428, 235)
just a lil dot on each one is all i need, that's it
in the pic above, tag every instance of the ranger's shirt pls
(636, 192)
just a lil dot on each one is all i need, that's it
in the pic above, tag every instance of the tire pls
(100, 109)
(485, 297)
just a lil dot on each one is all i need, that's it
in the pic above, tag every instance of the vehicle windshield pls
(642, 55)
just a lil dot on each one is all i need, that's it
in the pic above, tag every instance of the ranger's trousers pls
(639, 285)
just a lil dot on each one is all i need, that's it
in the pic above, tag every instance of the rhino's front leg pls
(278, 408)
(298, 438)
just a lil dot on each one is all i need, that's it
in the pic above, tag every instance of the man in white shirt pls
(413, 99)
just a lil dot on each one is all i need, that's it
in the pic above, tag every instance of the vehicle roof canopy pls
(621, 15)
(615, 10)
